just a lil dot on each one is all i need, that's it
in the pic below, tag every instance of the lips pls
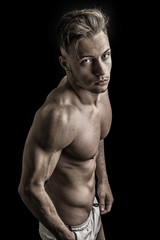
(102, 82)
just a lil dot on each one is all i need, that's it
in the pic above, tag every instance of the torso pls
(72, 184)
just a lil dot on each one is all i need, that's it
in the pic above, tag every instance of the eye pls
(106, 55)
(86, 60)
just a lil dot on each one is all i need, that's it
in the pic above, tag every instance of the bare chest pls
(91, 129)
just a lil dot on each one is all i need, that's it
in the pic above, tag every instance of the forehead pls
(93, 46)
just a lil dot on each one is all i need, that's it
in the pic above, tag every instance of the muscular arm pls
(45, 141)
(103, 186)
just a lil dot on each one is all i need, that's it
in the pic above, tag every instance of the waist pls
(72, 205)
(85, 223)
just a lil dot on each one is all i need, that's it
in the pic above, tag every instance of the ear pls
(63, 62)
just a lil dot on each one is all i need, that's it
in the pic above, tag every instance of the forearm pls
(101, 171)
(41, 206)
(103, 186)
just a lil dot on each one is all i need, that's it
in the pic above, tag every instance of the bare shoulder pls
(54, 122)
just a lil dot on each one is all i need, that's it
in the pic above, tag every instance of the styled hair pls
(78, 24)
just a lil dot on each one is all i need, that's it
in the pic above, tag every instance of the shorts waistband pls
(84, 225)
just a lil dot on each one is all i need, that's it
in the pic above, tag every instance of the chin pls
(99, 90)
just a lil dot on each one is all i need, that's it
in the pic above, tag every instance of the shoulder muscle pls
(53, 127)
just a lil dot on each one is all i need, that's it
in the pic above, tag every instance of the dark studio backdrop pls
(35, 71)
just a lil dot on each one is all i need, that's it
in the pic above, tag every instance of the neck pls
(85, 97)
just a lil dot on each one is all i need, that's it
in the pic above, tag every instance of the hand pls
(71, 236)
(75, 236)
(105, 197)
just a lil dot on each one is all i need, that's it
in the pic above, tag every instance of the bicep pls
(47, 138)
(38, 163)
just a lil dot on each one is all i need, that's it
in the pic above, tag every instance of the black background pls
(33, 70)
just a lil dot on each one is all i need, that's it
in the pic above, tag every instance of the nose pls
(99, 68)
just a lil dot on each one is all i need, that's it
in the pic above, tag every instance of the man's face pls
(90, 63)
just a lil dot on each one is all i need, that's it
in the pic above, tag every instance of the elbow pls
(24, 192)
(29, 192)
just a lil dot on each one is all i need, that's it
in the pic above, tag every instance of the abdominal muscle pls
(72, 189)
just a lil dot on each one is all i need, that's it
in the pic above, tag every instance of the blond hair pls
(78, 24)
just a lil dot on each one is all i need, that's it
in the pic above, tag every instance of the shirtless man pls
(63, 161)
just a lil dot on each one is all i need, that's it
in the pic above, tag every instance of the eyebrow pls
(85, 56)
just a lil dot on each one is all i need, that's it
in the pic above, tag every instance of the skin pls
(64, 149)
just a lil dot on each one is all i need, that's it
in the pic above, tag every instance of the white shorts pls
(86, 231)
